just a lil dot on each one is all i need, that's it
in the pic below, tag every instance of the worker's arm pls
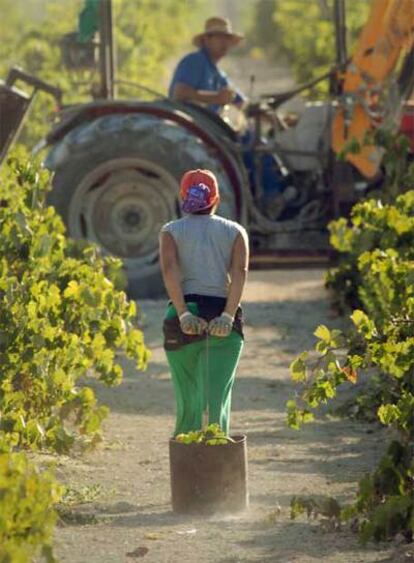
(185, 93)
(223, 325)
(238, 273)
(171, 273)
(239, 100)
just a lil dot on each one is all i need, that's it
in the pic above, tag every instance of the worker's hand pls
(225, 96)
(221, 326)
(190, 324)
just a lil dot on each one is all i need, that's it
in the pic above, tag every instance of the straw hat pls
(218, 25)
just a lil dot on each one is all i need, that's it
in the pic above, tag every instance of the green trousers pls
(203, 375)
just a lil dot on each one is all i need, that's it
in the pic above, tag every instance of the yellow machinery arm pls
(386, 35)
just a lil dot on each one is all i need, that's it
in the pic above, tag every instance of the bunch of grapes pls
(212, 435)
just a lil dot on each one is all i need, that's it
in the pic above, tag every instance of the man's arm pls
(171, 273)
(239, 99)
(190, 324)
(185, 93)
(238, 273)
(187, 79)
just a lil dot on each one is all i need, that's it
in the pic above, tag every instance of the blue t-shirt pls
(199, 71)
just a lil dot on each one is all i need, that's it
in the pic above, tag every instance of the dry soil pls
(132, 518)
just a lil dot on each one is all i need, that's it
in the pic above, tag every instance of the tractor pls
(116, 164)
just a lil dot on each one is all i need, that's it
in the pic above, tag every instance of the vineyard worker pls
(204, 262)
(197, 77)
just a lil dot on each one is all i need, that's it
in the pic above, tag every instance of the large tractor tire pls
(116, 183)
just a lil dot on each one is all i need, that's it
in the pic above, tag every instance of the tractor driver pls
(197, 77)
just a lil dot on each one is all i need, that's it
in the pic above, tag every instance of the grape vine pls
(63, 320)
(212, 435)
(376, 278)
(60, 319)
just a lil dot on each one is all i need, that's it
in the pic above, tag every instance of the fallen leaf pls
(153, 536)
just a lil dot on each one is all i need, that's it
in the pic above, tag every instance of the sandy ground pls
(282, 308)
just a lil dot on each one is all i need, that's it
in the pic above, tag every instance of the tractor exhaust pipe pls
(340, 32)
(106, 50)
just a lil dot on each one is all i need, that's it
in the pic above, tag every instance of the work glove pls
(221, 326)
(190, 324)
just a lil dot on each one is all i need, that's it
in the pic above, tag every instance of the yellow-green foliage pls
(61, 319)
(27, 516)
(212, 435)
(303, 30)
(148, 34)
(377, 271)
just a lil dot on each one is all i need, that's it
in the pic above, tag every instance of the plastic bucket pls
(207, 479)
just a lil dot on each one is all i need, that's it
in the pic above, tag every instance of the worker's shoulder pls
(193, 58)
(229, 224)
(172, 225)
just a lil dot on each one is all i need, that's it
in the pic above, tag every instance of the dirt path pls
(282, 309)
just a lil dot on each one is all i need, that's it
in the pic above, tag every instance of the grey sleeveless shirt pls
(204, 244)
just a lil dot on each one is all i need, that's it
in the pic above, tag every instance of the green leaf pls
(323, 333)
(388, 413)
(72, 290)
(298, 370)
(359, 317)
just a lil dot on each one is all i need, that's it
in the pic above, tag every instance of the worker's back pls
(204, 245)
